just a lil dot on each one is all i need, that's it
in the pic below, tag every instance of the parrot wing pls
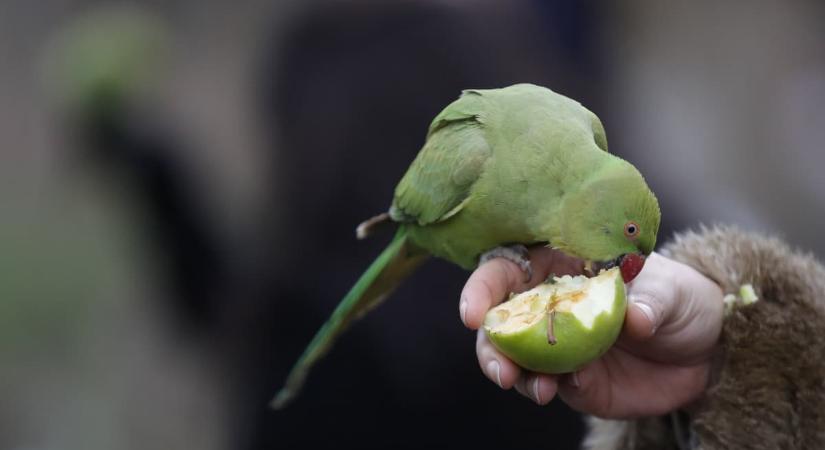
(598, 131)
(438, 183)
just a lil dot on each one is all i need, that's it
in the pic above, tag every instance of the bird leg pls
(516, 253)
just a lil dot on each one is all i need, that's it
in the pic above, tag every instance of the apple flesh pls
(560, 325)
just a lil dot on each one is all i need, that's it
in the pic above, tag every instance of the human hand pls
(660, 362)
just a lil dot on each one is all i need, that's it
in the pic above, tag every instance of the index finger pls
(493, 281)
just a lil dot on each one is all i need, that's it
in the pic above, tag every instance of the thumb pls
(651, 298)
(644, 315)
(674, 310)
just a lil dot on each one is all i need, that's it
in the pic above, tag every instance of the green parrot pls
(502, 169)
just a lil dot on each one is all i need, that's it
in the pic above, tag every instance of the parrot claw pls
(517, 254)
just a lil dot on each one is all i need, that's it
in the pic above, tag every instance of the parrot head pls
(612, 220)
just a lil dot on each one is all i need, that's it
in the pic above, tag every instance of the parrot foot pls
(514, 253)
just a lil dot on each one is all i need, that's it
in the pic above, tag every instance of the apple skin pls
(576, 345)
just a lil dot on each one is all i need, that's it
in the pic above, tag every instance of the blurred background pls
(180, 182)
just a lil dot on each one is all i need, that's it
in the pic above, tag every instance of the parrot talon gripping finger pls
(515, 253)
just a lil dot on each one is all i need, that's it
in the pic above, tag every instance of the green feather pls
(394, 264)
(440, 178)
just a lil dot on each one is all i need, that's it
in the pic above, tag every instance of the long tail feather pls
(394, 264)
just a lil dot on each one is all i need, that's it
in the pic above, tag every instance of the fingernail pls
(536, 391)
(462, 309)
(646, 310)
(494, 371)
(573, 380)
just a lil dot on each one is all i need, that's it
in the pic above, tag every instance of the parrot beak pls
(631, 264)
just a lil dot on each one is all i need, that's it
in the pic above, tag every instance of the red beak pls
(631, 265)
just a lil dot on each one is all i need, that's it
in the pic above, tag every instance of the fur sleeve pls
(768, 384)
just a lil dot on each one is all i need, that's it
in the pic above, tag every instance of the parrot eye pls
(631, 230)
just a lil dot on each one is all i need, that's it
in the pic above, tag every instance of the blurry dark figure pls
(141, 152)
(101, 69)
(357, 85)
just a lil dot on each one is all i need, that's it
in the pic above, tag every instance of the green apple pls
(560, 325)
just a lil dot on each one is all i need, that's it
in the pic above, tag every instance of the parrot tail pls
(395, 263)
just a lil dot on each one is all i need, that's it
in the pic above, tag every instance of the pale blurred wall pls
(89, 358)
(720, 104)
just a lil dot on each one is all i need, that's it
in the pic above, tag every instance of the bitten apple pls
(560, 325)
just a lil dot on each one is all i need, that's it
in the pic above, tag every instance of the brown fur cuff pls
(769, 389)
